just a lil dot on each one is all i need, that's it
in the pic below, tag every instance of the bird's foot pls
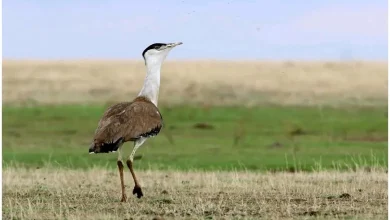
(137, 190)
(124, 198)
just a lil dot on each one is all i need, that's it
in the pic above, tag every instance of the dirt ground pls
(197, 82)
(95, 194)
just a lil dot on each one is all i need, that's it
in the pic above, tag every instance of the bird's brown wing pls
(128, 121)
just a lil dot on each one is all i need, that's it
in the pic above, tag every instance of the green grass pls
(261, 138)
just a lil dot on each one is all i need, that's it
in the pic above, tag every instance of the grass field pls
(261, 138)
(248, 83)
(236, 140)
(94, 194)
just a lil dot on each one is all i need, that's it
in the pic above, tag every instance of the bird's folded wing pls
(129, 121)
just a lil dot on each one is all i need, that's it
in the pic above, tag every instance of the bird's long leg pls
(120, 167)
(137, 188)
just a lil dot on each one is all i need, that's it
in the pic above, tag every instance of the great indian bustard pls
(136, 120)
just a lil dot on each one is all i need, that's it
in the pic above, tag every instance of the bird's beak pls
(174, 44)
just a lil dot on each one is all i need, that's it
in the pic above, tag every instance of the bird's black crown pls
(153, 46)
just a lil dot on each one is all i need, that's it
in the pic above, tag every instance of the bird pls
(134, 121)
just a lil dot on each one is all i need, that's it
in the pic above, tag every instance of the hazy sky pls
(225, 29)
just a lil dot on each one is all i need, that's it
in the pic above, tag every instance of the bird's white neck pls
(151, 85)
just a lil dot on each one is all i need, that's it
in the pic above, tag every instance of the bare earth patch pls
(95, 194)
(197, 82)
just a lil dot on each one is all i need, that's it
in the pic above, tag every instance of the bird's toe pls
(124, 198)
(137, 190)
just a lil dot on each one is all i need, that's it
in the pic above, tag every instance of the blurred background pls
(248, 89)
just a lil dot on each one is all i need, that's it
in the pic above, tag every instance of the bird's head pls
(157, 52)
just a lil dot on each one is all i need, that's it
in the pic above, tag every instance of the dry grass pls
(95, 194)
(197, 82)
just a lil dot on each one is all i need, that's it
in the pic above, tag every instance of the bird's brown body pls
(126, 121)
